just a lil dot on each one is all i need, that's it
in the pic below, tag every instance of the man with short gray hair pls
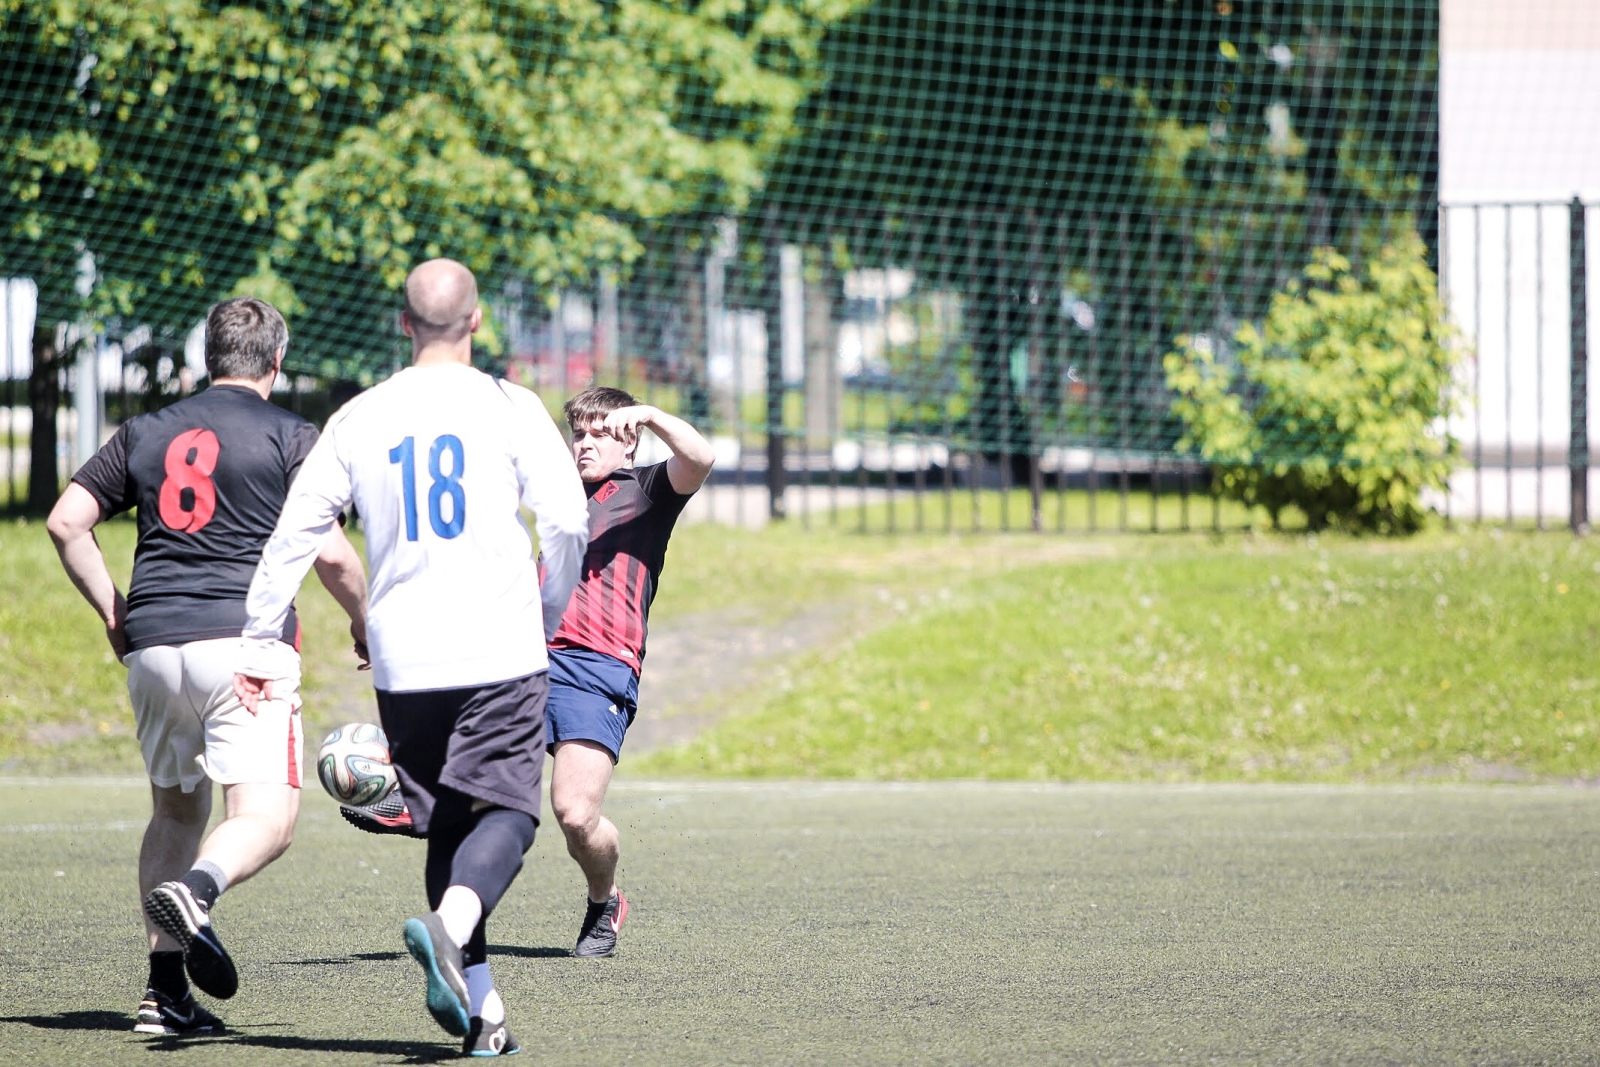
(209, 476)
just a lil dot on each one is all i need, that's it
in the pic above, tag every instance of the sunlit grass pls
(1272, 657)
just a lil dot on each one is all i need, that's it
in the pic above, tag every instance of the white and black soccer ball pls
(354, 764)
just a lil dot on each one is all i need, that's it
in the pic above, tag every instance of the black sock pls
(203, 886)
(166, 974)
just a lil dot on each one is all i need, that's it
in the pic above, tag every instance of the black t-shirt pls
(631, 515)
(209, 476)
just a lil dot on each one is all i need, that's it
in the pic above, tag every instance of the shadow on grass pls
(408, 1051)
(75, 1020)
(335, 961)
(529, 953)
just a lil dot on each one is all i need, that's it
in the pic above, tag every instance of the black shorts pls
(455, 747)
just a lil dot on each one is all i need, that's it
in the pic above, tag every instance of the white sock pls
(460, 909)
(486, 1002)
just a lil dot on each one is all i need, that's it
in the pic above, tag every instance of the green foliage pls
(316, 152)
(1336, 403)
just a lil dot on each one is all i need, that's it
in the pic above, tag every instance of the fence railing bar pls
(1477, 360)
(1538, 368)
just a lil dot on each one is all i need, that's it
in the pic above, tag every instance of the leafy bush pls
(1336, 403)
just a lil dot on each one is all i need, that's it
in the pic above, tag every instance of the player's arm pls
(690, 463)
(552, 490)
(339, 568)
(71, 525)
(320, 492)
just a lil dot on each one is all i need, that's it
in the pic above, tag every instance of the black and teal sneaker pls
(173, 907)
(440, 958)
(484, 1040)
(161, 1015)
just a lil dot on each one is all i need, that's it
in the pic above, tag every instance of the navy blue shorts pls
(593, 697)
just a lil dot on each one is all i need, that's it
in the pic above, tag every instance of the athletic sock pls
(460, 910)
(486, 1002)
(206, 881)
(166, 974)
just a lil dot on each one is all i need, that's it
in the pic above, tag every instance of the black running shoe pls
(160, 1014)
(484, 1040)
(388, 816)
(440, 958)
(602, 923)
(174, 908)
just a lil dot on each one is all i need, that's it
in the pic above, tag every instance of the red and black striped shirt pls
(631, 516)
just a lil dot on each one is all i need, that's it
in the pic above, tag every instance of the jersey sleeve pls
(551, 489)
(319, 493)
(106, 475)
(302, 439)
(665, 501)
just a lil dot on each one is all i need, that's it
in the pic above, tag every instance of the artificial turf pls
(936, 923)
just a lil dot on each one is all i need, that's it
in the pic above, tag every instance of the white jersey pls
(437, 460)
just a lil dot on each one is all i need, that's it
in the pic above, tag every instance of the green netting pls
(930, 244)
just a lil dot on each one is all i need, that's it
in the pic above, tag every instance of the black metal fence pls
(972, 371)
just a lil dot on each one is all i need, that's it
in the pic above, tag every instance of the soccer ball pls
(354, 764)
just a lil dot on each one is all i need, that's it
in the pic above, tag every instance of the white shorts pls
(192, 726)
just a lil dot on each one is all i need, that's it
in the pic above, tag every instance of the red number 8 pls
(188, 497)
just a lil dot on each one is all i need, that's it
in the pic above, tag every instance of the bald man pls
(439, 459)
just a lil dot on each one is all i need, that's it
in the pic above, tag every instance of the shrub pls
(1336, 404)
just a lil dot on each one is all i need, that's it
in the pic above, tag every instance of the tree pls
(123, 168)
(311, 153)
(1089, 128)
(536, 140)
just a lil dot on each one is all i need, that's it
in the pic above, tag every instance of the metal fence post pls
(1578, 446)
(777, 475)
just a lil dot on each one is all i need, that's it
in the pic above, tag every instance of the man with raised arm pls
(597, 654)
(438, 459)
(208, 475)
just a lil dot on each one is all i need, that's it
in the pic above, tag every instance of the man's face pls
(598, 453)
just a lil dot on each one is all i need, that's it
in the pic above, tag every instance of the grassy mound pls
(1329, 659)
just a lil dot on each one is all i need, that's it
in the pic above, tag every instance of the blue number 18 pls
(444, 485)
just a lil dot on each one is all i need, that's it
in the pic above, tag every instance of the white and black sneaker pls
(484, 1040)
(160, 1014)
(602, 923)
(173, 907)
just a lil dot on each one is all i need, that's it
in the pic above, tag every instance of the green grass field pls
(877, 924)
(1289, 658)
(1446, 656)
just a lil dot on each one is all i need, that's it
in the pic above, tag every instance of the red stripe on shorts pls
(294, 764)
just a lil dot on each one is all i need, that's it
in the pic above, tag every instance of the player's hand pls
(624, 423)
(358, 634)
(116, 632)
(251, 691)
(118, 637)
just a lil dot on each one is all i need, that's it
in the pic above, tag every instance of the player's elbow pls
(66, 523)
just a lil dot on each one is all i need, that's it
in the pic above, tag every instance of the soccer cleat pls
(387, 816)
(173, 908)
(440, 958)
(601, 925)
(483, 1040)
(160, 1014)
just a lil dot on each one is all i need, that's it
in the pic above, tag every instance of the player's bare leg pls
(578, 783)
(171, 843)
(578, 786)
(257, 829)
